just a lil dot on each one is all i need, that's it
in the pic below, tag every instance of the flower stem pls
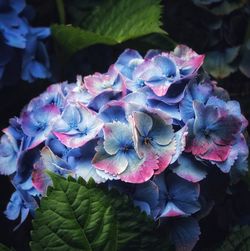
(61, 11)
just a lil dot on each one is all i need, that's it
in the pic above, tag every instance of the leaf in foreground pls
(79, 216)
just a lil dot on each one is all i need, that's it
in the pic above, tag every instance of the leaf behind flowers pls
(111, 22)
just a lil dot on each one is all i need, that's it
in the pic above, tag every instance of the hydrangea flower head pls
(150, 124)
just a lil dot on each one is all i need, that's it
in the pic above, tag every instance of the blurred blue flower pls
(12, 26)
(16, 33)
(21, 203)
(35, 59)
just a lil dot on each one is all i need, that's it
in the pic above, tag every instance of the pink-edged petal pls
(187, 59)
(200, 145)
(190, 169)
(171, 210)
(159, 89)
(94, 83)
(112, 164)
(40, 180)
(87, 128)
(49, 113)
(226, 165)
(110, 81)
(77, 139)
(216, 153)
(39, 138)
(139, 171)
(165, 155)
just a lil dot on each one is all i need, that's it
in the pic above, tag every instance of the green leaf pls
(125, 19)
(112, 22)
(73, 39)
(238, 240)
(77, 215)
(4, 248)
(219, 63)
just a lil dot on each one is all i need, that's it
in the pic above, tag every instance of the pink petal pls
(171, 211)
(141, 173)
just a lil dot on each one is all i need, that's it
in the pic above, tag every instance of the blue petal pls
(147, 192)
(167, 65)
(144, 206)
(38, 70)
(152, 53)
(25, 164)
(113, 112)
(183, 193)
(162, 132)
(8, 156)
(117, 136)
(57, 147)
(102, 99)
(41, 32)
(171, 110)
(143, 123)
(17, 5)
(194, 91)
(184, 233)
(190, 169)
(72, 116)
(127, 61)
(14, 206)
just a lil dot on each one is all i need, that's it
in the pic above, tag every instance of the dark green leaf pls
(112, 22)
(73, 39)
(4, 248)
(238, 240)
(77, 216)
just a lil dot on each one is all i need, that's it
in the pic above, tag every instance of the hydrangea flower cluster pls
(21, 48)
(150, 127)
